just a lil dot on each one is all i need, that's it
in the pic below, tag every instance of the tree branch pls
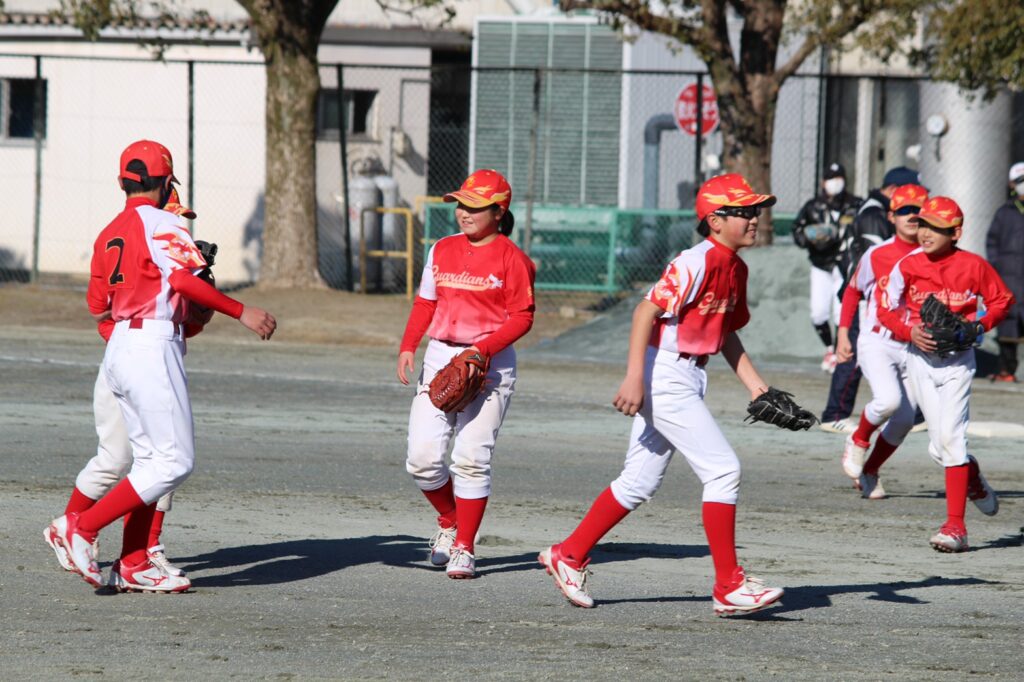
(849, 20)
(639, 12)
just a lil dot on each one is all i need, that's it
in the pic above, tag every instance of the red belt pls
(700, 360)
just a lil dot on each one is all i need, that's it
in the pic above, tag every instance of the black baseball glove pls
(778, 408)
(209, 253)
(952, 333)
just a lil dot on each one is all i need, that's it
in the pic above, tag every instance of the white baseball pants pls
(113, 456)
(942, 387)
(145, 370)
(475, 429)
(824, 295)
(675, 417)
(883, 362)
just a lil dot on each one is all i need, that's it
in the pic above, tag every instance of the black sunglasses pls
(745, 212)
(944, 231)
(907, 210)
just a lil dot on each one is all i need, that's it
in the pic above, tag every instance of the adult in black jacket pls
(819, 227)
(871, 226)
(1005, 250)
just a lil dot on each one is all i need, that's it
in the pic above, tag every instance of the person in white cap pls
(1004, 248)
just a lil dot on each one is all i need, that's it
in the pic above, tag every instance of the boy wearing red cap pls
(882, 359)
(476, 293)
(941, 384)
(143, 277)
(692, 312)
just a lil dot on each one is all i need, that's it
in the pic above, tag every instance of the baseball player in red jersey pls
(113, 456)
(476, 292)
(882, 359)
(692, 312)
(941, 385)
(142, 279)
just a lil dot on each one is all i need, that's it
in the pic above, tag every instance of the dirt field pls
(306, 539)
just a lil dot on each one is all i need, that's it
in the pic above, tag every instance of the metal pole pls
(699, 148)
(532, 172)
(37, 129)
(343, 143)
(191, 137)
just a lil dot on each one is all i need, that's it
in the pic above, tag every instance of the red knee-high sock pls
(883, 450)
(155, 528)
(864, 430)
(115, 504)
(604, 514)
(956, 495)
(136, 533)
(468, 515)
(443, 500)
(79, 502)
(720, 527)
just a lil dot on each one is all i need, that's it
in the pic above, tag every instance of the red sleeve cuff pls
(851, 298)
(198, 291)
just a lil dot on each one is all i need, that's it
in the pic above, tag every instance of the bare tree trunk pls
(289, 234)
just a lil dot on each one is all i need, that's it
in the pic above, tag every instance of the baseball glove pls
(778, 408)
(209, 253)
(453, 389)
(952, 333)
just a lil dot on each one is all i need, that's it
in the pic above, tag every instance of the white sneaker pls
(871, 488)
(949, 540)
(838, 426)
(829, 362)
(462, 564)
(571, 581)
(64, 530)
(145, 577)
(853, 458)
(923, 426)
(441, 546)
(980, 492)
(158, 558)
(745, 594)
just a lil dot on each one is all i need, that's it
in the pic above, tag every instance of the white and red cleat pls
(145, 577)
(744, 594)
(569, 576)
(950, 539)
(461, 564)
(79, 550)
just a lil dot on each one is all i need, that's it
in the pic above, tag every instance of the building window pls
(358, 114)
(18, 108)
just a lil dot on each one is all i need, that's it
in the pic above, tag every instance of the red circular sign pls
(686, 110)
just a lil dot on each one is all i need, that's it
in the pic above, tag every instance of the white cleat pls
(145, 577)
(853, 458)
(462, 564)
(571, 581)
(870, 487)
(746, 594)
(441, 546)
(79, 550)
(949, 540)
(838, 426)
(980, 492)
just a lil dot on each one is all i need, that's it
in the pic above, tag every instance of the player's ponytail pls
(506, 223)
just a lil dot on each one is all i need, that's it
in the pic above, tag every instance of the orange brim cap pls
(941, 212)
(468, 198)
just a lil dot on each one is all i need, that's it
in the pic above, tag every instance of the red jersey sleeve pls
(519, 302)
(891, 304)
(997, 297)
(851, 299)
(419, 321)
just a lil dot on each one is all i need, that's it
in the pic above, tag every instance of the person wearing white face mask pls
(819, 227)
(1004, 248)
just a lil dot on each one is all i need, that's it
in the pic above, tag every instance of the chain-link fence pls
(604, 163)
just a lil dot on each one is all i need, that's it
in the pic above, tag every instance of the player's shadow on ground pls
(293, 560)
(941, 495)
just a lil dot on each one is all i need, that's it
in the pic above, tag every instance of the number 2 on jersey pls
(115, 275)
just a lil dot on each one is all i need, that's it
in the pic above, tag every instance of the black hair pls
(147, 183)
(703, 229)
(506, 223)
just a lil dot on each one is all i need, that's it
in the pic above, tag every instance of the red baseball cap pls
(907, 195)
(730, 189)
(941, 212)
(154, 155)
(483, 188)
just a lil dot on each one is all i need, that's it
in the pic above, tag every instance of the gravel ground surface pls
(306, 540)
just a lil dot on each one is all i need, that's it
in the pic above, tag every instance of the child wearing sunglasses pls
(941, 384)
(883, 359)
(691, 313)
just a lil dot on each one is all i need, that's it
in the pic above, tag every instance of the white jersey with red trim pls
(703, 292)
(476, 287)
(134, 256)
(872, 276)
